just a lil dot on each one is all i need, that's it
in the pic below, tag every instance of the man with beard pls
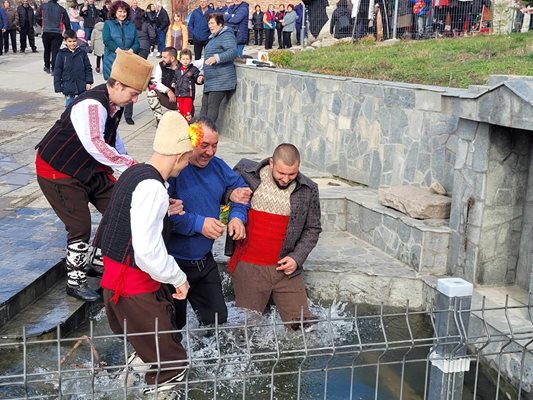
(283, 227)
(161, 93)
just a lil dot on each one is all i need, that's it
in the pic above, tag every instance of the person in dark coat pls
(163, 22)
(300, 19)
(147, 35)
(279, 26)
(257, 22)
(316, 11)
(12, 27)
(236, 18)
(52, 17)
(89, 12)
(26, 22)
(135, 10)
(73, 73)
(104, 12)
(198, 30)
(341, 24)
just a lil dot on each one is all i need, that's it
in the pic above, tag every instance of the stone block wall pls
(490, 186)
(507, 180)
(374, 133)
(424, 248)
(524, 277)
(471, 165)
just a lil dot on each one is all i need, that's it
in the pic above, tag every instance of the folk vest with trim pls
(62, 149)
(114, 232)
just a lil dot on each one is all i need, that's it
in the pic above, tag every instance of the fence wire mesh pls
(347, 355)
(415, 19)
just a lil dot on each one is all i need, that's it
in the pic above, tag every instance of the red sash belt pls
(125, 280)
(265, 234)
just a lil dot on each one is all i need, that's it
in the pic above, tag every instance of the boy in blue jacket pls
(73, 72)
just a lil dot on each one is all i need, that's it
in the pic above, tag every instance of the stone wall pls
(466, 215)
(507, 179)
(490, 185)
(371, 132)
(384, 133)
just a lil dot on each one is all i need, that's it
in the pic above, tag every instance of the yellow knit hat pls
(131, 70)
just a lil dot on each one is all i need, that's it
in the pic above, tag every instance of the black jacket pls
(341, 24)
(22, 16)
(89, 16)
(257, 20)
(52, 17)
(184, 82)
(146, 32)
(72, 71)
(163, 22)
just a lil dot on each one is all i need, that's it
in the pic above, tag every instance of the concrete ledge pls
(31, 251)
(423, 245)
(43, 316)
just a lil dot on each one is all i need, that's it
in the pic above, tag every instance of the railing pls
(421, 19)
(382, 355)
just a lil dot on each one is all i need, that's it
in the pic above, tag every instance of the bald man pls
(283, 227)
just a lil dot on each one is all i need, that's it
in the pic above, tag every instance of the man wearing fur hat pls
(76, 159)
(136, 262)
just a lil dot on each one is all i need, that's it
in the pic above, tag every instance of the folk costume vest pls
(121, 274)
(62, 149)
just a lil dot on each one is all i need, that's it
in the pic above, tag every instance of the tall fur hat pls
(131, 70)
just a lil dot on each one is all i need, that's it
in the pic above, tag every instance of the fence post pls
(448, 361)
(395, 22)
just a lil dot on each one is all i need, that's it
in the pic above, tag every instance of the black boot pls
(76, 263)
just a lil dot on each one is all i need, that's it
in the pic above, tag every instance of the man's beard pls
(280, 186)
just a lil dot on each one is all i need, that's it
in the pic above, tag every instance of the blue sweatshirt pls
(202, 191)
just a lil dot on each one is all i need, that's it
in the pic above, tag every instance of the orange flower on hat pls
(196, 134)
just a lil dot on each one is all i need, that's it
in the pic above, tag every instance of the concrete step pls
(42, 317)
(32, 243)
(421, 244)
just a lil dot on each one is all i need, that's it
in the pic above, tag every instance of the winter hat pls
(131, 70)
(175, 136)
(80, 33)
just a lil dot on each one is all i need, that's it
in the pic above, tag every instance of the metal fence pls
(350, 355)
(418, 19)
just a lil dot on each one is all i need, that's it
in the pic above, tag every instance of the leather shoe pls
(83, 292)
(129, 121)
(34, 51)
(47, 70)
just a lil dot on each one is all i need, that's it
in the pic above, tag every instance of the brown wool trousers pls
(70, 200)
(253, 285)
(140, 311)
